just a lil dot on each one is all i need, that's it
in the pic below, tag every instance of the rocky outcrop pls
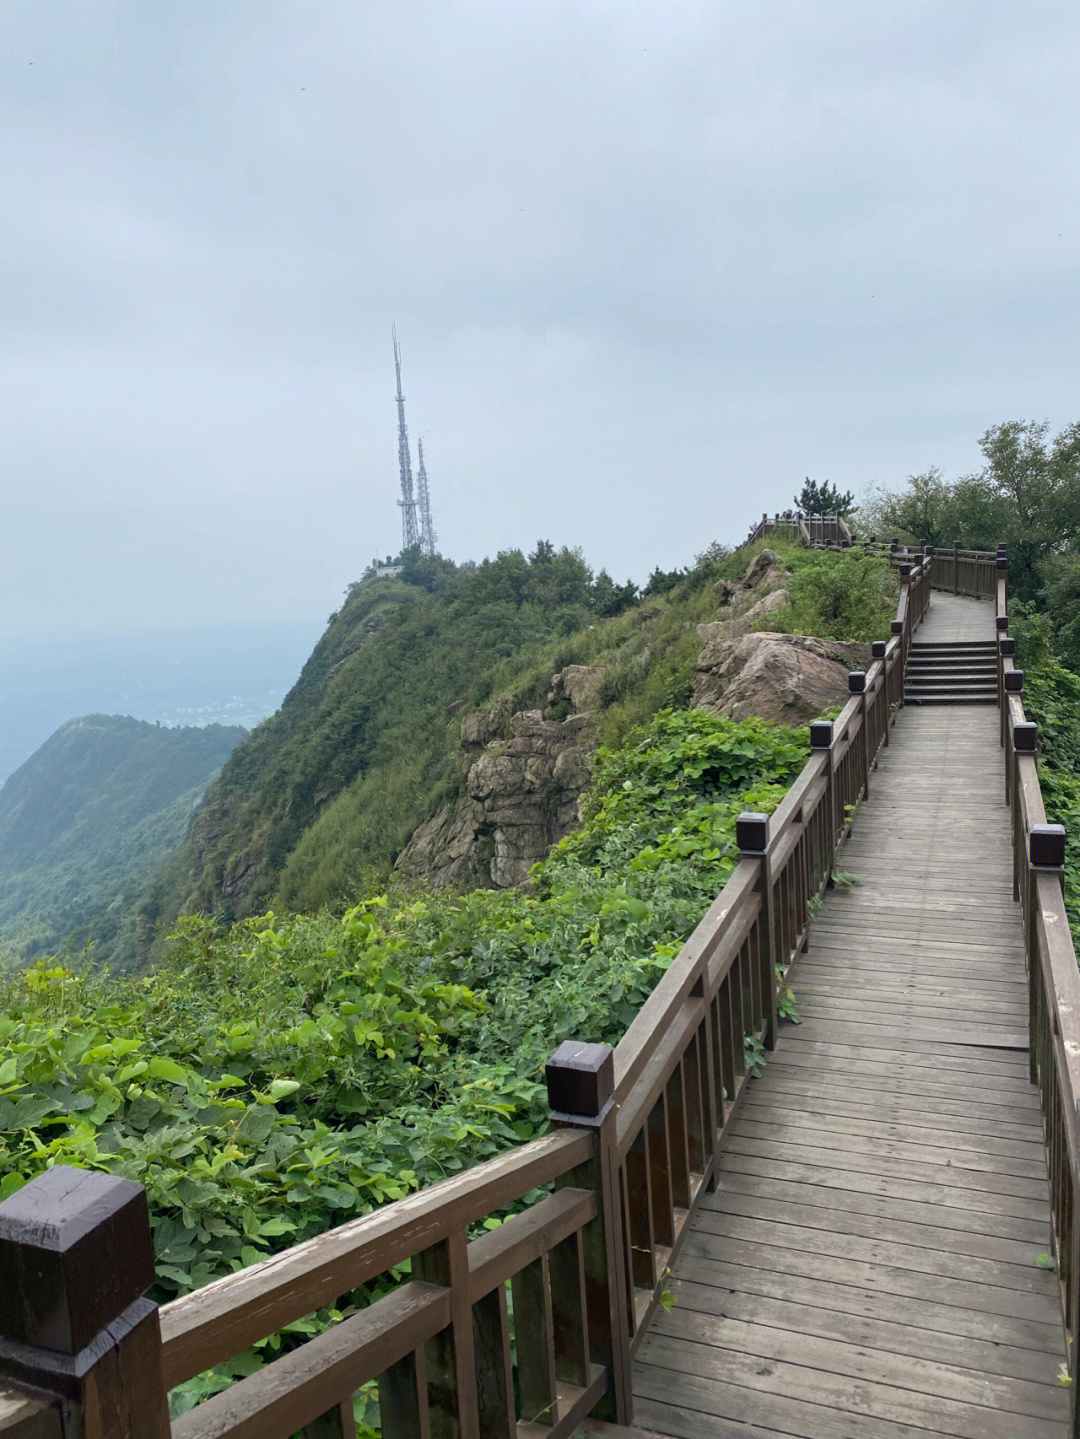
(522, 796)
(787, 678)
(762, 589)
(576, 685)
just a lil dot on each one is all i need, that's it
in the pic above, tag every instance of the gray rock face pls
(787, 678)
(522, 796)
(577, 685)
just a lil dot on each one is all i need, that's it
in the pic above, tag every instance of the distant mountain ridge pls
(88, 817)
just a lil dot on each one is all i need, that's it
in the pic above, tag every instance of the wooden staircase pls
(951, 672)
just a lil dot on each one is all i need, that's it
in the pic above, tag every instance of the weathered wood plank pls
(866, 1264)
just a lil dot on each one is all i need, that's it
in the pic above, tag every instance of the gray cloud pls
(650, 264)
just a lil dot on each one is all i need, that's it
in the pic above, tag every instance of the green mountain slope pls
(315, 806)
(87, 818)
(375, 716)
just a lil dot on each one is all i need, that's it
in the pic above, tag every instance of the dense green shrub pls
(275, 1077)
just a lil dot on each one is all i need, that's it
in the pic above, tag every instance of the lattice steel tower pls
(410, 530)
(427, 529)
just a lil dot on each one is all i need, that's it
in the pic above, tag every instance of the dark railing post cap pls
(905, 572)
(1046, 846)
(1001, 622)
(752, 832)
(1002, 562)
(898, 627)
(1014, 681)
(928, 549)
(820, 734)
(856, 682)
(877, 649)
(580, 1080)
(1007, 645)
(75, 1253)
(1025, 737)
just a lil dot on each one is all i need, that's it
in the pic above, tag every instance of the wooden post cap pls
(905, 573)
(877, 649)
(820, 734)
(897, 627)
(1001, 622)
(1002, 547)
(580, 1079)
(1014, 681)
(1002, 562)
(1046, 846)
(894, 544)
(1007, 645)
(1026, 737)
(75, 1252)
(856, 682)
(752, 832)
(928, 549)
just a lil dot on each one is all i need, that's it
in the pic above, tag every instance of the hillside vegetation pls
(272, 1080)
(315, 806)
(87, 818)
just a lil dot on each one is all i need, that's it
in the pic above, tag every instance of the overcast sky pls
(650, 264)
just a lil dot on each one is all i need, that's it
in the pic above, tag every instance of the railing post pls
(1045, 855)
(1024, 741)
(821, 738)
(76, 1258)
(856, 683)
(956, 566)
(897, 628)
(877, 650)
(1001, 566)
(1006, 650)
(752, 838)
(580, 1085)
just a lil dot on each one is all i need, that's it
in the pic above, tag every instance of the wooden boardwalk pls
(868, 1263)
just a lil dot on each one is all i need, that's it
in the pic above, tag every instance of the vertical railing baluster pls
(451, 1363)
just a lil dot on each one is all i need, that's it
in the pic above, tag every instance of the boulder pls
(787, 678)
(576, 685)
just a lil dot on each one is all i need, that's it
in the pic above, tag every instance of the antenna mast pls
(410, 532)
(427, 529)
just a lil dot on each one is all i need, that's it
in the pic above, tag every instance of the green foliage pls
(1027, 495)
(85, 820)
(823, 499)
(836, 594)
(279, 1075)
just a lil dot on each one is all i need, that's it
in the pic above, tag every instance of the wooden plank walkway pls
(867, 1263)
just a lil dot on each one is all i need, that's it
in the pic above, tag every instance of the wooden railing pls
(1053, 978)
(637, 1138)
(820, 531)
(961, 572)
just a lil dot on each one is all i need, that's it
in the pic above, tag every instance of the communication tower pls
(410, 532)
(427, 529)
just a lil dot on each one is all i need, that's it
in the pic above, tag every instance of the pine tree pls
(823, 499)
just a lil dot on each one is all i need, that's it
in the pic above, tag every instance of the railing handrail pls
(1053, 975)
